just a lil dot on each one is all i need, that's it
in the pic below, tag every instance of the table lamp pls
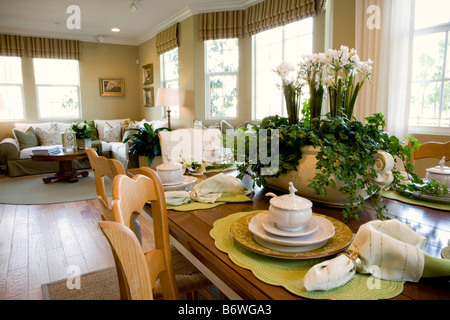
(168, 97)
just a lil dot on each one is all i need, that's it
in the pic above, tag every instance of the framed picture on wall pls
(148, 73)
(112, 87)
(149, 97)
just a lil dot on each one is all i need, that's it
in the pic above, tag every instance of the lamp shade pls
(168, 97)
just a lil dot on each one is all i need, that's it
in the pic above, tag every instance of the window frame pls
(50, 85)
(21, 85)
(208, 76)
(283, 41)
(175, 111)
(435, 29)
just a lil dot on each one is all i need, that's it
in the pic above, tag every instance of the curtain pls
(167, 40)
(221, 25)
(276, 13)
(389, 45)
(321, 5)
(53, 48)
(12, 45)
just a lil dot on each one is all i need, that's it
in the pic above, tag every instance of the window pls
(430, 86)
(57, 88)
(170, 75)
(222, 64)
(288, 43)
(11, 89)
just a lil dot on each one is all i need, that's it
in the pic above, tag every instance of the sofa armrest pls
(10, 148)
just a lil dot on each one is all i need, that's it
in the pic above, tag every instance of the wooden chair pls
(129, 197)
(137, 272)
(432, 149)
(110, 168)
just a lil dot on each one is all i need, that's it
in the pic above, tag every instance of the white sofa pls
(16, 152)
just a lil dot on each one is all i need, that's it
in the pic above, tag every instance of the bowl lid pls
(441, 168)
(168, 166)
(291, 201)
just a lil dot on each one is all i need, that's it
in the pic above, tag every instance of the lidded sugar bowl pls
(290, 212)
(440, 173)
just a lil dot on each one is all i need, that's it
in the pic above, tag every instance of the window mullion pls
(441, 101)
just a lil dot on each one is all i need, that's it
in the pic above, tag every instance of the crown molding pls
(178, 17)
(224, 6)
(187, 12)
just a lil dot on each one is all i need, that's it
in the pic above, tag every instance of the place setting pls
(440, 174)
(172, 177)
(290, 230)
(187, 193)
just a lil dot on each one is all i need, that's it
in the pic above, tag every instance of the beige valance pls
(321, 5)
(167, 40)
(276, 13)
(12, 45)
(53, 48)
(221, 25)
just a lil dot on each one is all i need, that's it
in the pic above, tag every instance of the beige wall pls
(102, 61)
(97, 61)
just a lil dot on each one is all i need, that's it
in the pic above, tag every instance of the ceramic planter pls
(306, 172)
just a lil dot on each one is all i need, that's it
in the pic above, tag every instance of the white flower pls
(81, 126)
(285, 70)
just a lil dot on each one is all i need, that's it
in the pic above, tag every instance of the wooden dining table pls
(190, 234)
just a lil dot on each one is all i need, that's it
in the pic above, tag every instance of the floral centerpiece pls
(346, 148)
(82, 130)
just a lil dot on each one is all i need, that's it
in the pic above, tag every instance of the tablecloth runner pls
(290, 273)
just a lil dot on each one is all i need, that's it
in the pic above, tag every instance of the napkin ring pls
(354, 257)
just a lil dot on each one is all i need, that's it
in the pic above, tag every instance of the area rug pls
(97, 285)
(32, 190)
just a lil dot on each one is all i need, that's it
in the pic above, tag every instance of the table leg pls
(66, 172)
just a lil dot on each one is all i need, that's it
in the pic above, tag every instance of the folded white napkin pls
(388, 250)
(207, 191)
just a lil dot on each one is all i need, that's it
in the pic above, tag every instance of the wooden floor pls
(39, 242)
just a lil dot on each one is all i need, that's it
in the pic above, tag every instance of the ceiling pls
(48, 18)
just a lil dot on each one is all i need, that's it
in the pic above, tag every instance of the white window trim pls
(77, 85)
(441, 28)
(24, 110)
(164, 81)
(207, 89)
(283, 102)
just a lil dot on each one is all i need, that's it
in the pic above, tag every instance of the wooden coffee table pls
(66, 171)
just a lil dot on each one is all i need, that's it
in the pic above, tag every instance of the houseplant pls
(345, 146)
(83, 132)
(145, 142)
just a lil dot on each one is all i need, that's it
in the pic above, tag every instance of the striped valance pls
(321, 5)
(53, 48)
(167, 39)
(12, 45)
(276, 13)
(221, 25)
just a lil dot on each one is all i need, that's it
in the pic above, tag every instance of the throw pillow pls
(49, 137)
(27, 139)
(100, 124)
(112, 133)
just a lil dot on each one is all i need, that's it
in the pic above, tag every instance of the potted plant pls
(345, 151)
(83, 132)
(145, 142)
